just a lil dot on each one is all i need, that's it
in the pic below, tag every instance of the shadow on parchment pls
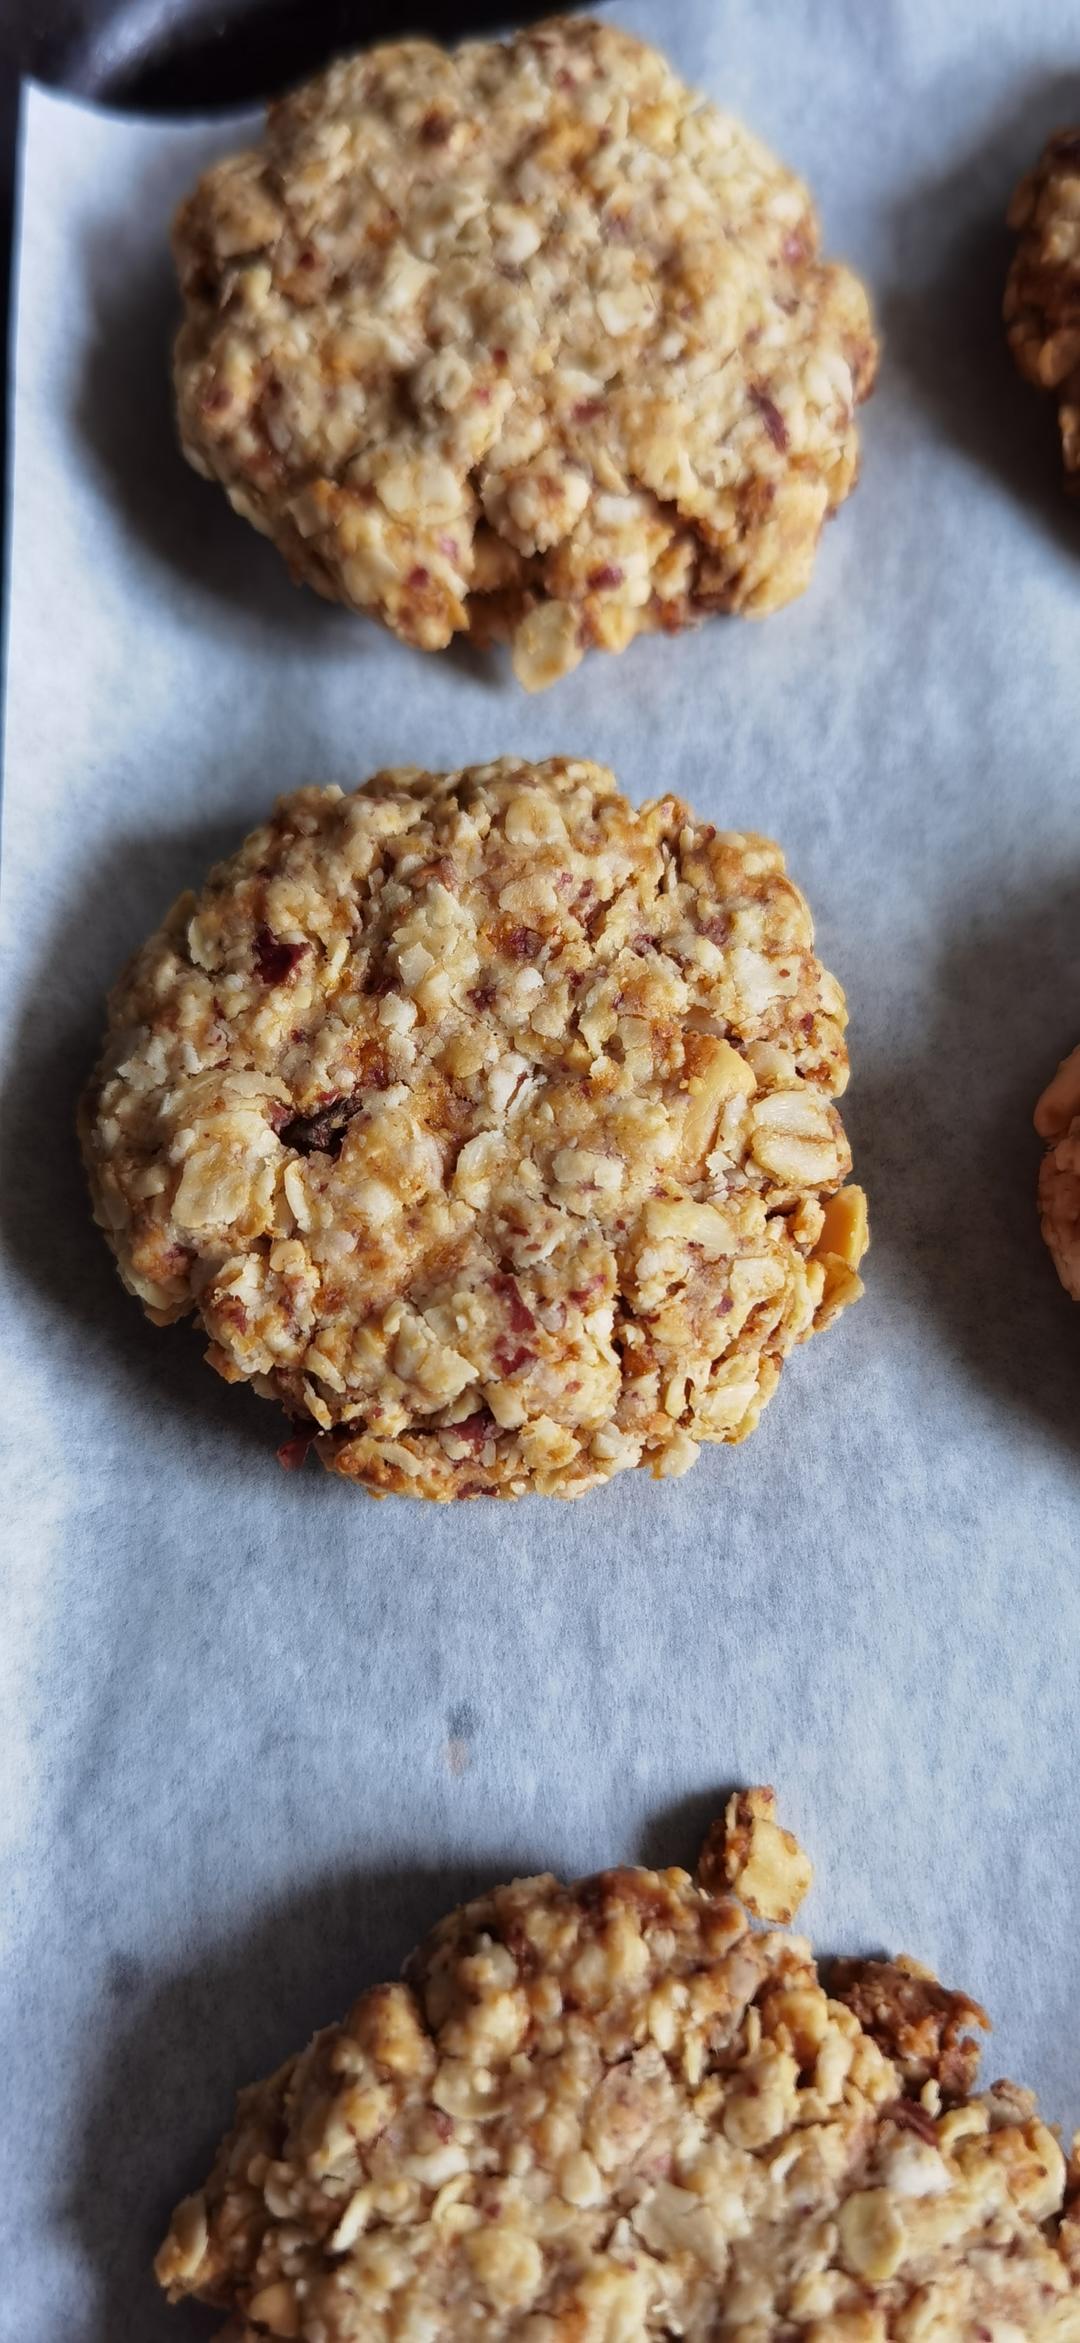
(124, 416)
(945, 1145)
(45, 1220)
(678, 1832)
(176, 2048)
(942, 320)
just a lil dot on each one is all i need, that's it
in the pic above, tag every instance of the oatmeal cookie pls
(613, 2113)
(528, 341)
(1057, 1120)
(1042, 296)
(486, 1122)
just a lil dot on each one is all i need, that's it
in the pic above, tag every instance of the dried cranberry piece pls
(292, 1452)
(323, 1133)
(517, 1309)
(509, 1357)
(523, 943)
(474, 1429)
(772, 419)
(274, 958)
(911, 2117)
(592, 1285)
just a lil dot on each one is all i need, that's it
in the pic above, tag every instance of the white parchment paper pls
(257, 1731)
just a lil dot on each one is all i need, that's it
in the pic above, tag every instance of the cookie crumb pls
(750, 1853)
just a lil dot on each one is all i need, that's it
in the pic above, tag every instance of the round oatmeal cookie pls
(1042, 295)
(528, 342)
(486, 1123)
(613, 2113)
(1057, 1120)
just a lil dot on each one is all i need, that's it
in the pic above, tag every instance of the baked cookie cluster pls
(615, 2112)
(529, 342)
(487, 1123)
(1042, 296)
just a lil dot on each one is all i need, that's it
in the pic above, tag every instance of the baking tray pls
(168, 56)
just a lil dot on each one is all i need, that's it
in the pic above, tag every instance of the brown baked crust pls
(918, 2023)
(528, 341)
(485, 1121)
(613, 2113)
(1042, 294)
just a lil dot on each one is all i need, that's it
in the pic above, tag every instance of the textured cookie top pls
(612, 2113)
(526, 340)
(1057, 1120)
(485, 1121)
(1042, 296)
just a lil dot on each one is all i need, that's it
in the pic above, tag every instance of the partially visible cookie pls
(1042, 296)
(528, 341)
(614, 2113)
(1057, 1120)
(486, 1122)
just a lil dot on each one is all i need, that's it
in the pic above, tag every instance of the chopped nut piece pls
(562, 365)
(617, 2114)
(844, 1238)
(763, 1864)
(184, 2250)
(495, 1192)
(716, 1074)
(845, 1233)
(871, 2235)
(275, 2309)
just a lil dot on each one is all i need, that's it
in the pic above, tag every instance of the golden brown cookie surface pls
(1042, 297)
(613, 2113)
(486, 1122)
(527, 341)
